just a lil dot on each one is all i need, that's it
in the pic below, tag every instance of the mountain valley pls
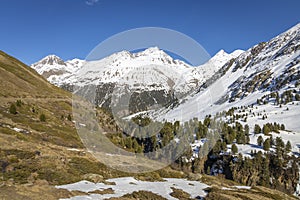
(238, 111)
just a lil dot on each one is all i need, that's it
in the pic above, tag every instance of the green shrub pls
(42, 117)
(19, 103)
(12, 109)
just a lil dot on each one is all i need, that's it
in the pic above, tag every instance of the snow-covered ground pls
(289, 117)
(128, 185)
(246, 149)
(288, 114)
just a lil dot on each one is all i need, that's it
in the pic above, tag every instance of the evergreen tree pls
(297, 97)
(247, 140)
(271, 141)
(265, 175)
(260, 140)
(288, 147)
(279, 147)
(266, 145)
(234, 149)
(257, 129)
(246, 129)
(266, 129)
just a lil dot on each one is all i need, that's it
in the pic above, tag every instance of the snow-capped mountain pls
(221, 58)
(55, 70)
(272, 66)
(60, 72)
(149, 70)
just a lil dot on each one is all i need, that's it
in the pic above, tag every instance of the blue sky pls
(32, 29)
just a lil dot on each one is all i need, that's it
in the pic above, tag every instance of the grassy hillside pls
(19, 80)
(35, 149)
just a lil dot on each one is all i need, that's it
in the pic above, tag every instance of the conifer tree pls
(260, 140)
(234, 149)
(288, 147)
(257, 129)
(266, 145)
(266, 129)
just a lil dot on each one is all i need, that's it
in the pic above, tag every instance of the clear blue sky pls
(32, 29)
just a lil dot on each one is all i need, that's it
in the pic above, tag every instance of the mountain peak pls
(237, 52)
(154, 52)
(221, 52)
(222, 57)
(50, 60)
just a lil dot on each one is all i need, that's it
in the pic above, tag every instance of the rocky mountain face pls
(151, 76)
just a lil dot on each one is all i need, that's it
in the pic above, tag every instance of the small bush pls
(13, 109)
(19, 103)
(42, 117)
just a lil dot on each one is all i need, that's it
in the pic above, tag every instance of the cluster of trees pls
(272, 169)
(268, 170)
(281, 149)
(237, 133)
(278, 99)
(269, 127)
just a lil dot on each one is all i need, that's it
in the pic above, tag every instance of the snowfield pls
(128, 185)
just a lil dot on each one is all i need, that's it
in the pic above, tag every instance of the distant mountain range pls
(59, 72)
(159, 77)
(225, 81)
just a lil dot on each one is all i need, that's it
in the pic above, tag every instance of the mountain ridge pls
(266, 67)
(168, 74)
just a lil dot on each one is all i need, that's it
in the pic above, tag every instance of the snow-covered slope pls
(221, 58)
(265, 68)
